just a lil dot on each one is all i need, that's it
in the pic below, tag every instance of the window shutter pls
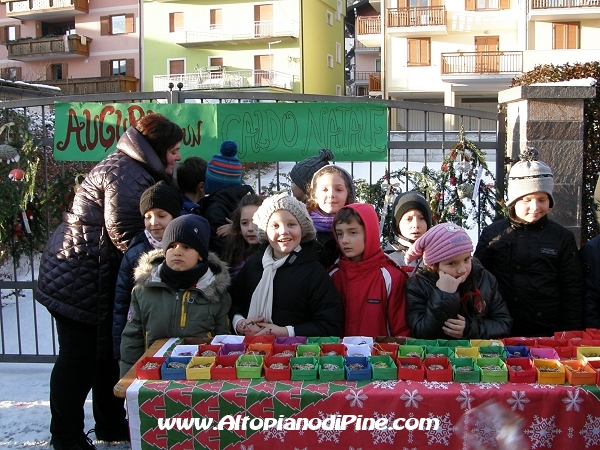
(65, 71)
(18, 73)
(470, 5)
(17, 31)
(504, 4)
(104, 26)
(105, 68)
(129, 28)
(130, 67)
(4, 73)
(413, 51)
(573, 35)
(425, 52)
(3, 35)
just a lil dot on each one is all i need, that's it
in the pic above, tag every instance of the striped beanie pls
(224, 169)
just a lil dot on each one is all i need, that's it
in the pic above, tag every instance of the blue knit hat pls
(223, 170)
(191, 230)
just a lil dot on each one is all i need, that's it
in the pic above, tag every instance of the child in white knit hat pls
(534, 258)
(452, 296)
(283, 289)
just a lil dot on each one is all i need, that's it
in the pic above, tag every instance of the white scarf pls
(153, 242)
(261, 304)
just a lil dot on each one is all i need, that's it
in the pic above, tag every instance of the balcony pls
(49, 47)
(469, 66)
(429, 20)
(368, 31)
(46, 9)
(104, 85)
(224, 78)
(548, 10)
(234, 34)
(374, 83)
(359, 47)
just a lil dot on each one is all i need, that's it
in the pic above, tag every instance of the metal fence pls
(420, 134)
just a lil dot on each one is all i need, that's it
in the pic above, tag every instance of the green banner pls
(264, 132)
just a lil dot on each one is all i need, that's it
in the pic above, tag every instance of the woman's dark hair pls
(191, 172)
(236, 247)
(160, 132)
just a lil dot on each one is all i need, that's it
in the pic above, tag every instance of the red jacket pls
(368, 309)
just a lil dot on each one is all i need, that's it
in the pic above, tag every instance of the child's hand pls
(224, 230)
(455, 327)
(250, 326)
(269, 328)
(448, 283)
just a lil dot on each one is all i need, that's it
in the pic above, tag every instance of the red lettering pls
(75, 127)
(191, 138)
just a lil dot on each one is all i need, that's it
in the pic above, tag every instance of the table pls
(553, 416)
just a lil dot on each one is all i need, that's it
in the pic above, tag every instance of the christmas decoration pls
(16, 175)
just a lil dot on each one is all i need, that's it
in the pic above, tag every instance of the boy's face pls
(155, 221)
(532, 207)
(351, 239)
(458, 266)
(412, 224)
(284, 233)
(331, 192)
(182, 257)
(298, 193)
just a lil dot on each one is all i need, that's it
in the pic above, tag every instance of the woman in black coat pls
(78, 273)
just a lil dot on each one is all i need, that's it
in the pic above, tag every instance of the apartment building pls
(462, 52)
(294, 46)
(79, 46)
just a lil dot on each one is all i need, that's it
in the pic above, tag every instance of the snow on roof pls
(578, 82)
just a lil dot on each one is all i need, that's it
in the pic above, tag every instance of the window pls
(57, 72)
(11, 73)
(117, 24)
(378, 65)
(58, 28)
(338, 90)
(487, 4)
(565, 35)
(329, 18)
(175, 22)
(10, 33)
(330, 61)
(483, 5)
(338, 11)
(117, 67)
(176, 66)
(216, 19)
(338, 52)
(419, 52)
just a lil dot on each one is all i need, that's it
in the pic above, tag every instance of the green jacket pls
(157, 311)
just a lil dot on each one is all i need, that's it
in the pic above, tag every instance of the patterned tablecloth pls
(558, 417)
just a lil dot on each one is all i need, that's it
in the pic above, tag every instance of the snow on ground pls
(24, 387)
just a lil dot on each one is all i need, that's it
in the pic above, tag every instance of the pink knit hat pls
(439, 243)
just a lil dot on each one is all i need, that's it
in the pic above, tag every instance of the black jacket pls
(539, 274)
(125, 282)
(427, 307)
(590, 260)
(304, 295)
(80, 261)
(218, 206)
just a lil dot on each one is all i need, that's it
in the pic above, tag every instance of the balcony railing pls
(100, 85)
(31, 8)
(363, 77)
(548, 4)
(368, 25)
(248, 30)
(420, 16)
(359, 46)
(374, 82)
(225, 79)
(43, 48)
(482, 63)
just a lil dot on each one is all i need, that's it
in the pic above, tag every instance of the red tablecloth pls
(558, 417)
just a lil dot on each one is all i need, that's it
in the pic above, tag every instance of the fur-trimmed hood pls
(212, 285)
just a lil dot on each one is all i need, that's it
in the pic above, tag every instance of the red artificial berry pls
(453, 181)
(438, 196)
(444, 167)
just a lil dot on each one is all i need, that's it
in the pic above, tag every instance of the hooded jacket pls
(370, 307)
(539, 274)
(427, 307)
(303, 294)
(80, 261)
(158, 311)
(218, 206)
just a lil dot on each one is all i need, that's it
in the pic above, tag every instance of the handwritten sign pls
(264, 132)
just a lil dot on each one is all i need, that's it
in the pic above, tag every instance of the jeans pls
(80, 368)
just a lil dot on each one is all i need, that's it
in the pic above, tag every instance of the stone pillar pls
(550, 118)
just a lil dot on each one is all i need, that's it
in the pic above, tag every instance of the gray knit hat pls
(191, 230)
(162, 196)
(278, 202)
(302, 172)
(529, 175)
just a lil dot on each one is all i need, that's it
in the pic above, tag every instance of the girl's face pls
(532, 207)
(331, 192)
(182, 257)
(284, 233)
(246, 225)
(173, 156)
(155, 221)
(412, 224)
(458, 266)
